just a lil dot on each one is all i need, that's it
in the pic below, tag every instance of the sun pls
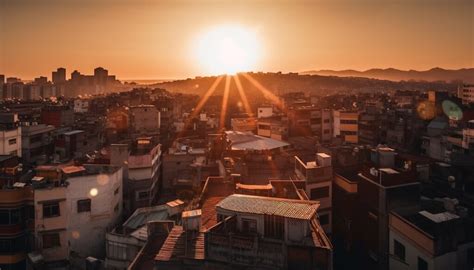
(228, 49)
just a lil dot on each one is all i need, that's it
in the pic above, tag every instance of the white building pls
(81, 105)
(74, 208)
(466, 93)
(264, 111)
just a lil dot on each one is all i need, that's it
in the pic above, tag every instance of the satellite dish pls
(452, 110)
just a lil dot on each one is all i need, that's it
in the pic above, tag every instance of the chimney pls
(323, 159)
(191, 220)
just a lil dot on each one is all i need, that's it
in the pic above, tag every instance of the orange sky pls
(155, 39)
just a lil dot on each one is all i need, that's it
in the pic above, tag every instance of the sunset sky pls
(159, 39)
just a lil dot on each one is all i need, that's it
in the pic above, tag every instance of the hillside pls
(280, 83)
(434, 74)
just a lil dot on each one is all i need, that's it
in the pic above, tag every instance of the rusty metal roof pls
(297, 209)
(180, 245)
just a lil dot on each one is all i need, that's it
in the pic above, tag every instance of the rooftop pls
(249, 141)
(296, 209)
(214, 191)
(143, 215)
(180, 245)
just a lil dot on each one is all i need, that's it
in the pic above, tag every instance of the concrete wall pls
(263, 112)
(53, 224)
(87, 229)
(295, 230)
(5, 147)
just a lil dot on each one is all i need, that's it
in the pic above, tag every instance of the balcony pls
(16, 196)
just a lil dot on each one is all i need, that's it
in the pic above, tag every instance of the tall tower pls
(59, 76)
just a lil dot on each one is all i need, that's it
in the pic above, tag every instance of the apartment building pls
(271, 233)
(37, 143)
(432, 235)
(10, 134)
(74, 207)
(16, 214)
(142, 165)
(346, 125)
(317, 174)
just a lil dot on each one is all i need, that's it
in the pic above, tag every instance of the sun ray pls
(206, 96)
(267, 93)
(200, 105)
(225, 101)
(242, 94)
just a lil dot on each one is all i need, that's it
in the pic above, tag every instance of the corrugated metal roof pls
(247, 140)
(269, 206)
(179, 245)
(141, 216)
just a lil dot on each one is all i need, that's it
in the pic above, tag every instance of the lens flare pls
(452, 110)
(93, 192)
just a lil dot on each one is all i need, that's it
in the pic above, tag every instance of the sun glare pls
(228, 50)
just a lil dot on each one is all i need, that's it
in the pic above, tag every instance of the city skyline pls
(155, 40)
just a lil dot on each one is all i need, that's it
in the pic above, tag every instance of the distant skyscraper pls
(75, 76)
(2, 79)
(41, 80)
(59, 76)
(100, 76)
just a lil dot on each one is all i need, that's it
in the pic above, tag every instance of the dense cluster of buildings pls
(78, 84)
(142, 180)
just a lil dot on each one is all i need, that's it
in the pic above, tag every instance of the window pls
(84, 205)
(315, 121)
(12, 141)
(142, 195)
(326, 131)
(326, 120)
(10, 217)
(399, 250)
(51, 210)
(116, 191)
(51, 240)
(274, 226)
(15, 216)
(422, 264)
(349, 122)
(324, 219)
(345, 132)
(318, 193)
(249, 225)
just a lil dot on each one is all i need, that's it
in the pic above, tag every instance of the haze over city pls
(160, 39)
(236, 135)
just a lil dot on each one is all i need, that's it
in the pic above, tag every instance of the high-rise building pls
(100, 76)
(59, 76)
(41, 80)
(466, 93)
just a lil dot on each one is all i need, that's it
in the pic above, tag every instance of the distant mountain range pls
(392, 74)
